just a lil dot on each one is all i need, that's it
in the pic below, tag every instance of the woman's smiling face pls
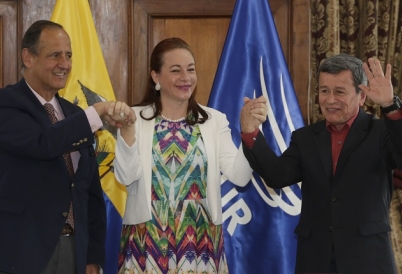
(177, 77)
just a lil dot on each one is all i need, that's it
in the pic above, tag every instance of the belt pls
(67, 230)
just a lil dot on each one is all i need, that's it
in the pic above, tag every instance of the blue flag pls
(258, 221)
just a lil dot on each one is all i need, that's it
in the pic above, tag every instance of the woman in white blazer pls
(171, 162)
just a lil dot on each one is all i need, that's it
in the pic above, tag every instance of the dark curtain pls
(363, 28)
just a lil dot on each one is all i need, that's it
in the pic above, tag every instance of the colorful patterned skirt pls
(180, 239)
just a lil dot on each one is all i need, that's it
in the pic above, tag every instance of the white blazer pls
(132, 165)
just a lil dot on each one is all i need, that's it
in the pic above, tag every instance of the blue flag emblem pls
(258, 221)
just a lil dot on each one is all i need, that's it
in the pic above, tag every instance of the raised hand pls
(253, 113)
(379, 88)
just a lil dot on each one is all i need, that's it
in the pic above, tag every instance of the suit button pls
(330, 229)
(65, 214)
(334, 199)
(72, 185)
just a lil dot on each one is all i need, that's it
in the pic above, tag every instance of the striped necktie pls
(67, 159)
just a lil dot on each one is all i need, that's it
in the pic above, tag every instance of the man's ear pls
(362, 98)
(27, 58)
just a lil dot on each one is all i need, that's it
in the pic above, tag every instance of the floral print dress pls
(180, 237)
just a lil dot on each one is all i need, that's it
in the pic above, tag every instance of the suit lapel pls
(35, 108)
(38, 107)
(24, 88)
(357, 133)
(323, 141)
(65, 106)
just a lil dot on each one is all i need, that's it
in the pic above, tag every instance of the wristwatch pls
(396, 105)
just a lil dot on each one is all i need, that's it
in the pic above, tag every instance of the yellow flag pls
(88, 83)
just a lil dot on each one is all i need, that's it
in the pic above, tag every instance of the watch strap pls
(397, 104)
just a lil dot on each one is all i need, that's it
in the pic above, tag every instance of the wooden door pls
(203, 24)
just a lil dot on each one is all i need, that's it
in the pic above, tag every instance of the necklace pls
(171, 120)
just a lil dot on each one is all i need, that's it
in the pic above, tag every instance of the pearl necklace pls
(171, 120)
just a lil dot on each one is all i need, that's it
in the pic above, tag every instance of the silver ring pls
(122, 114)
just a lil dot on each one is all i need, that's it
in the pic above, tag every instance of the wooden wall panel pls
(111, 22)
(292, 23)
(299, 53)
(8, 42)
(280, 12)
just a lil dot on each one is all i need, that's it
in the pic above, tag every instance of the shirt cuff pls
(125, 150)
(395, 115)
(93, 118)
(249, 138)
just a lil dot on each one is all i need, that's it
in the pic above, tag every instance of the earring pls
(158, 86)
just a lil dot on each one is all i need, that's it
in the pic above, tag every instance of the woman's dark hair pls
(343, 62)
(153, 96)
(32, 35)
